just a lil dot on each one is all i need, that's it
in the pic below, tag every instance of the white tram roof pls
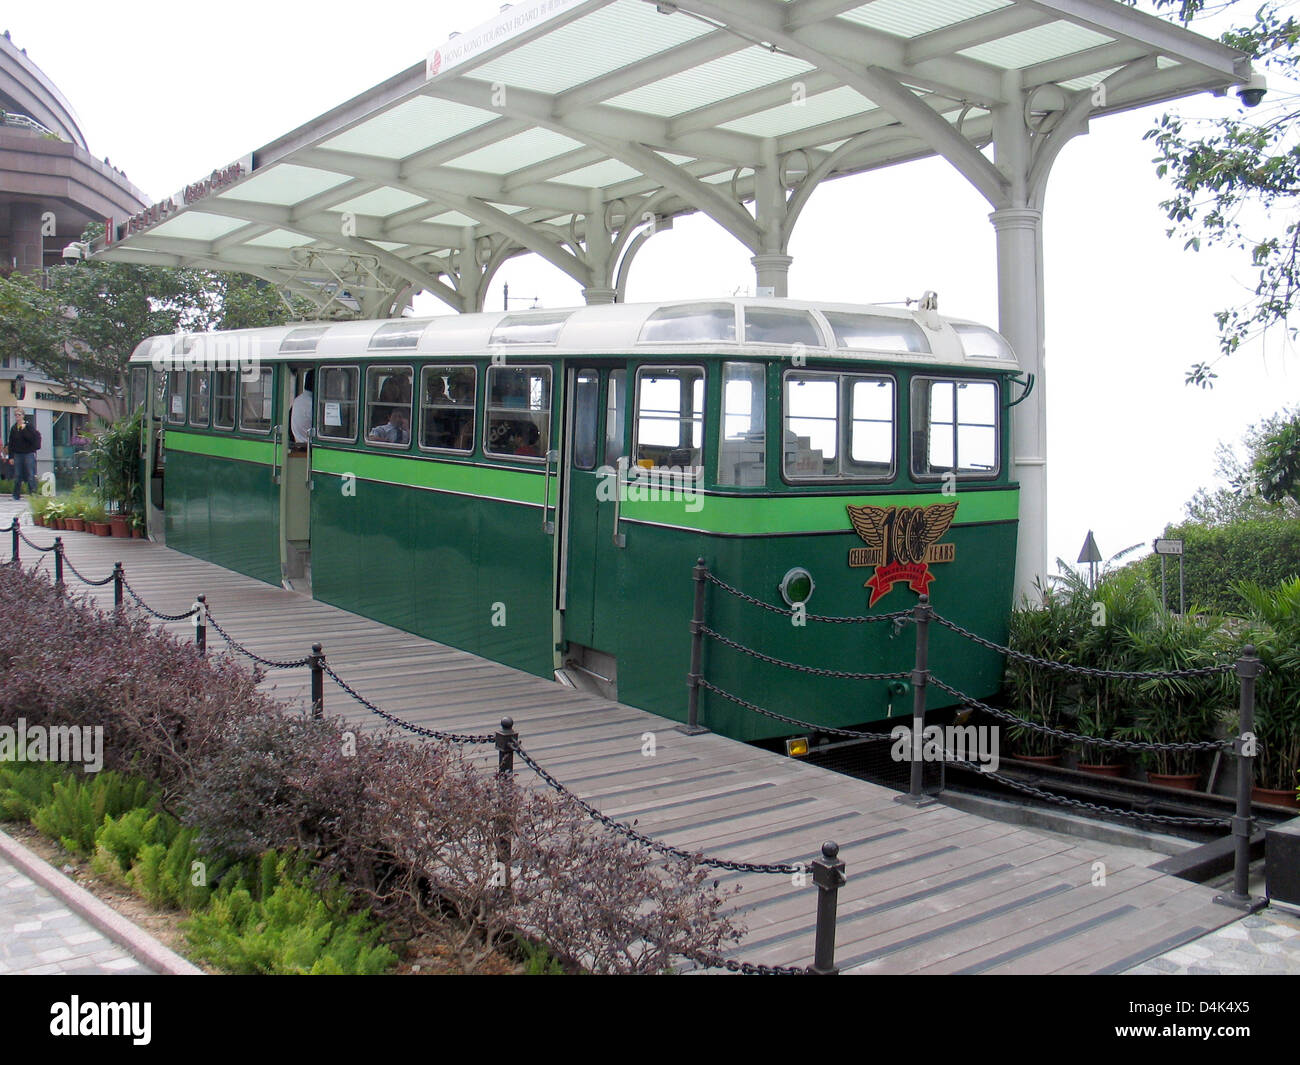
(684, 327)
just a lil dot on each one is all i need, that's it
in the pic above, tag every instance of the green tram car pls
(536, 487)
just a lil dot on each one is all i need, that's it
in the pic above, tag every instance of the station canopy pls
(575, 129)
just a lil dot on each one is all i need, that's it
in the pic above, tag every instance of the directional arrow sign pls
(1168, 547)
(1090, 552)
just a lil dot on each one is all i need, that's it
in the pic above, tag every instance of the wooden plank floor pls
(931, 890)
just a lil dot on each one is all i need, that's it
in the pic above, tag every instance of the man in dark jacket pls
(24, 442)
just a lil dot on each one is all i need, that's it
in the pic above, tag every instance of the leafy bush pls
(172, 874)
(1272, 624)
(120, 839)
(78, 806)
(27, 786)
(1265, 552)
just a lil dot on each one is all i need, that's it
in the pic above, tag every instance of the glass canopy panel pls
(380, 203)
(285, 184)
(708, 83)
(409, 128)
(876, 332)
(693, 323)
(195, 225)
(277, 238)
(515, 153)
(907, 18)
(980, 342)
(602, 175)
(813, 111)
(529, 328)
(608, 39)
(1037, 45)
(452, 218)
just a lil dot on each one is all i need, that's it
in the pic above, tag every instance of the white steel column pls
(1019, 229)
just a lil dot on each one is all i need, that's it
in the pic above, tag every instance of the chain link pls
(271, 663)
(31, 543)
(150, 610)
(857, 620)
(1062, 734)
(813, 670)
(831, 730)
(418, 730)
(1085, 671)
(649, 841)
(86, 580)
(745, 968)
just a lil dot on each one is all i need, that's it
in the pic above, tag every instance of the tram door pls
(595, 421)
(295, 485)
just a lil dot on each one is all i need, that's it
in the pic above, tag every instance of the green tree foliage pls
(1277, 463)
(1237, 179)
(78, 324)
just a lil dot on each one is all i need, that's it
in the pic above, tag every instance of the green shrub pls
(172, 874)
(78, 806)
(292, 928)
(121, 839)
(1260, 551)
(27, 786)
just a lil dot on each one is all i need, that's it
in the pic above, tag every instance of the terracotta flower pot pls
(76, 524)
(137, 532)
(1183, 781)
(1102, 770)
(1039, 759)
(1274, 797)
(101, 528)
(38, 519)
(119, 526)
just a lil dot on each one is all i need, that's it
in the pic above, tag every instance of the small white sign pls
(178, 405)
(1168, 547)
(332, 415)
(266, 408)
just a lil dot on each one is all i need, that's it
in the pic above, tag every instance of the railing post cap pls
(203, 598)
(507, 724)
(315, 648)
(1248, 651)
(830, 850)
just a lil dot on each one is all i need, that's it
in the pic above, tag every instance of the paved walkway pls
(40, 935)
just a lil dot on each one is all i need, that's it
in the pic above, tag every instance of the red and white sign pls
(511, 22)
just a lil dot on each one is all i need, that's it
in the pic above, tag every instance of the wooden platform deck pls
(929, 890)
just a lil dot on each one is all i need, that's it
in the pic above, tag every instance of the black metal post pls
(118, 578)
(317, 681)
(1248, 668)
(506, 737)
(921, 614)
(828, 875)
(58, 562)
(201, 625)
(693, 726)
(17, 539)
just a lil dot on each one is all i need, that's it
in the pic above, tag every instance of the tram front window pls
(954, 427)
(670, 418)
(742, 451)
(838, 426)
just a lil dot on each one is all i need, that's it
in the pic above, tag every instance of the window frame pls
(169, 417)
(696, 470)
(473, 409)
(197, 375)
(234, 400)
(366, 404)
(487, 409)
(318, 398)
(761, 413)
(969, 475)
(843, 427)
(271, 421)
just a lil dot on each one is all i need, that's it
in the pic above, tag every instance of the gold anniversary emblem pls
(901, 544)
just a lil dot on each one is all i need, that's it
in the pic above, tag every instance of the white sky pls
(169, 91)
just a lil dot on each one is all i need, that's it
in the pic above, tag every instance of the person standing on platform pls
(24, 442)
(300, 412)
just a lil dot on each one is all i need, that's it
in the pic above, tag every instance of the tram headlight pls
(796, 746)
(797, 586)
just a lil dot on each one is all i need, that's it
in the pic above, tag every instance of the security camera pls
(1253, 91)
(76, 251)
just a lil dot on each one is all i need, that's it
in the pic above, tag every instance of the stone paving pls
(40, 935)
(1266, 943)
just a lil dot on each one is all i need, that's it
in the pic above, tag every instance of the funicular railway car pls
(536, 487)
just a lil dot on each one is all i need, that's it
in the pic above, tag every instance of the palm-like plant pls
(1272, 624)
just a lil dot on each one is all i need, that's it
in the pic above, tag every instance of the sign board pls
(1168, 547)
(510, 22)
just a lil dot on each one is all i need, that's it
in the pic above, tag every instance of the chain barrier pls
(1092, 741)
(418, 730)
(270, 663)
(813, 670)
(1083, 804)
(31, 543)
(904, 615)
(745, 968)
(830, 730)
(649, 841)
(1086, 671)
(86, 580)
(150, 610)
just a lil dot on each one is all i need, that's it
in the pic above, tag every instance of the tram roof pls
(559, 115)
(679, 329)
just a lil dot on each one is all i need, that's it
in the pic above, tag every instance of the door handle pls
(275, 455)
(548, 526)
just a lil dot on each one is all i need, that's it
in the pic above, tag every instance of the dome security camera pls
(76, 251)
(1253, 91)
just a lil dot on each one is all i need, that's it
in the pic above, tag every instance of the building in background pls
(51, 188)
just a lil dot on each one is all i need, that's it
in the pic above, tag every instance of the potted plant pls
(137, 526)
(1039, 695)
(115, 461)
(1098, 720)
(74, 514)
(97, 519)
(54, 513)
(1272, 624)
(120, 524)
(38, 504)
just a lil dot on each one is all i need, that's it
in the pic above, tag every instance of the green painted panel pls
(229, 447)
(520, 486)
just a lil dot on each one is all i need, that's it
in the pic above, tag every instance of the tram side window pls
(670, 418)
(586, 413)
(447, 407)
(742, 450)
(838, 426)
(257, 402)
(518, 411)
(615, 416)
(336, 418)
(176, 397)
(223, 398)
(954, 427)
(199, 396)
(388, 405)
(138, 386)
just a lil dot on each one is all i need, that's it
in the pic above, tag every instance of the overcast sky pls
(169, 91)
